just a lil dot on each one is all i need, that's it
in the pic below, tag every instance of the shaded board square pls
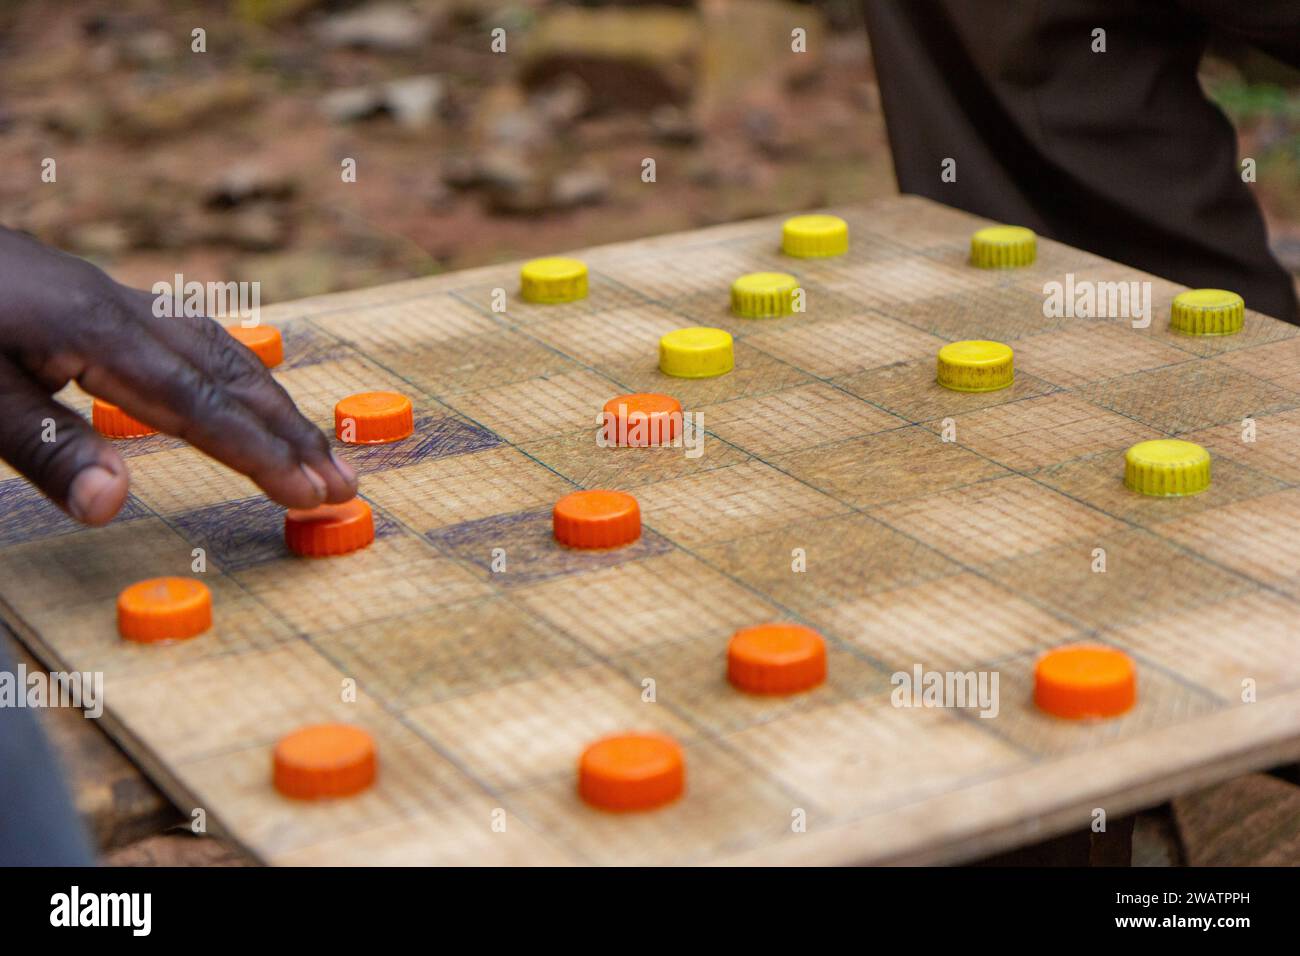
(845, 346)
(1028, 435)
(397, 574)
(997, 313)
(489, 360)
(908, 389)
(26, 514)
(531, 551)
(888, 282)
(1244, 644)
(1099, 291)
(435, 436)
(728, 806)
(1276, 362)
(645, 604)
(1193, 395)
(1145, 577)
(577, 456)
(1259, 537)
(844, 558)
(795, 418)
(700, 273)
(183, 479)
(728, 503)
(240, 534)
(521, 732)
(1258, 329)
(1092, 352)
(1162, 700)
(690, 677)
(951, 623)
(889, 466)
(1098, 480)
(1269, 445)
(463, 488)
(416, 659)
(996, 520)
(755, 373)
(304, 345)
(538, 407)
(866, 755)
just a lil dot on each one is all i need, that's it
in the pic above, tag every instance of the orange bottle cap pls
(265, 342)
(111, 422)
(164, 609)
(372, 418)
(325, 760)
(642, 419)
(632, 772)
(1085, 680)
(776, 659)
(329, 529)
(597, 519)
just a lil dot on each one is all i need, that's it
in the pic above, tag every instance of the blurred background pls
(225, 164)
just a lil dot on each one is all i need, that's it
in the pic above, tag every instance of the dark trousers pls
(1117, 152)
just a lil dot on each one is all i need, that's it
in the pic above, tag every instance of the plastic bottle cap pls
(597, 519)
(164, 609)
(642, 419)
(976, 366)
(776, 659)
(265, 342)
(1003, 247)
(1167, 467)
(111, 422)
(553, 280)
(1085, 680)
(632, 772)
(373, 418)
(697, 352)
(325, 760)
(1207, 312)
(815, 236)
(763, 295)
(329, 529)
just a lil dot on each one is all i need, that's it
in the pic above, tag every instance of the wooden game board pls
(481, 688)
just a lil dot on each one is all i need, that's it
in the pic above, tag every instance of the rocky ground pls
(226, 162)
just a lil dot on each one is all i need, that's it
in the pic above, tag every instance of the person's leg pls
(38, 824)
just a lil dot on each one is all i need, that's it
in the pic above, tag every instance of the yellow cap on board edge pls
(1003, 247)
(553, 280)
(1207, 312)
(815, 236)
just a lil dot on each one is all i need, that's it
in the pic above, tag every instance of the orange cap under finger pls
(632, 772)
(265, 342)
(111, 422)
(372, 418)
(1085, 680)
(325, 760)
(164, 609)
(329, 529)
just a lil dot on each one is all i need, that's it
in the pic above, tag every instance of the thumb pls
(58, 451)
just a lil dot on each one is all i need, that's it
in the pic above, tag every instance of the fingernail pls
(95, 495)
(317, 482)
(344, 469)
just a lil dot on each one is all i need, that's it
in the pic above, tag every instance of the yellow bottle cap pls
(815, 237)
(553, 280)
(975, 366)
(1003, 247)
(697, 352)
(1167, 467)
(1207, 312)
(763, 295)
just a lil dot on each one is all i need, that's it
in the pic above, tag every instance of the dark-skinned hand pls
(62, 320)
